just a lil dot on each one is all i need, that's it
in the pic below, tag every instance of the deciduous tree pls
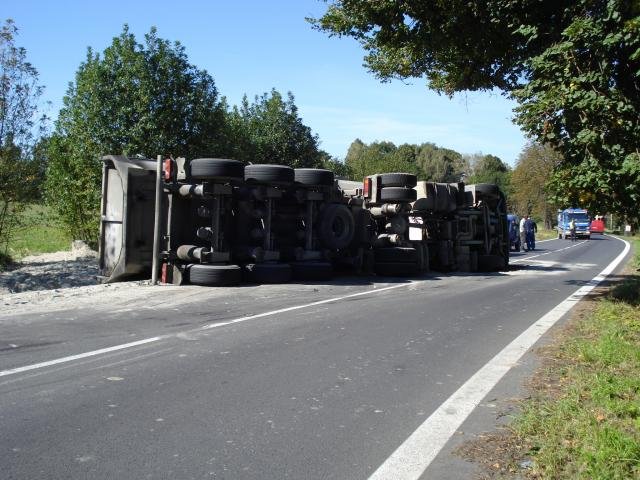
(490, 169)
(529, 180)
(269, 130)
(573, 65)
(132, 99)
(20, 92)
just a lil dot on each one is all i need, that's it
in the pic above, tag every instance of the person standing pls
(530, 230)
(523, 235)
(572, 229)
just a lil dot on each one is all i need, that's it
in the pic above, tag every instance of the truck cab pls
(581, 217)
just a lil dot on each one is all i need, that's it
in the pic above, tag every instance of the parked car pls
(597, 225)
(514, 234)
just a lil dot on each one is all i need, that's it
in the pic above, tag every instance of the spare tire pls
(216, 169)
(398, 180)
(398, 194)
(314, 176)
(220, 275)
(269, 174)
(337, 226)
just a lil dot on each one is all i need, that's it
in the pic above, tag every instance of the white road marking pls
(12, 371)
(101, 351)
(547, 253)
(416, 453)
(307, 305)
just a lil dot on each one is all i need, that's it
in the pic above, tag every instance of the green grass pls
(40, 232)
(585, 422)
(544, 234)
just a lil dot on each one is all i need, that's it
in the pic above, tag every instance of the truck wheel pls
(312, 270)
(216, 169)
(398, 180)
(267, 272)
(269, 174)
(218, 275)
(559, 236)
(396, 254)
(398, 194)
(395, 269)
(313, 177)
(337, 226)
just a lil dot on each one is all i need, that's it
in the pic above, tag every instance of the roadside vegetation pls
(582, 419)
(40, 231)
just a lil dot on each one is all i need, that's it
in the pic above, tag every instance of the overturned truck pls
(213, 221)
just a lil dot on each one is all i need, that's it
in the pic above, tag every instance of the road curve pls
(268, 382)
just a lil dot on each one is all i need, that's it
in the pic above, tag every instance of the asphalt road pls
(317, 381)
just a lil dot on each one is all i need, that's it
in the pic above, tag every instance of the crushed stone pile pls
(75, 268)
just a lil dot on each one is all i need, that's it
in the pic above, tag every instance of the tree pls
(490, 169)
(269, 130)
(573, 65)
(19, 95)
(583, 98)
(380, 157)
(133, 99)
(339, 168)
(440, 164)
(529, 180)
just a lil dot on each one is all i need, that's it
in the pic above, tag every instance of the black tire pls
(269, 174)
(394, 269)
(314, 177)
(398, 194)
(337, 226)
(267, 272)
(216, 168)
(312, 270)
(398, 180)
(396, 254)
(218, 275)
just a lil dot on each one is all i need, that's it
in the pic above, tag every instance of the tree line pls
(573, 68)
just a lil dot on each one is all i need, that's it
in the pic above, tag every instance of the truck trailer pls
(211, 221)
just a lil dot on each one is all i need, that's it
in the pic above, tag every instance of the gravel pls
(62, 280)
(75, 268)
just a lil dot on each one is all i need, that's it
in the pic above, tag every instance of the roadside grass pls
(583, 421)
(544, 234)
(39, 232)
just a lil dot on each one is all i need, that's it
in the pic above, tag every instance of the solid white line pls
(101, 351)
(547, 253)
(307, 305)
(11, 371)
(412, 458)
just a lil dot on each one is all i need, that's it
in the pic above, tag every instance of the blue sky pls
(252, 46)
